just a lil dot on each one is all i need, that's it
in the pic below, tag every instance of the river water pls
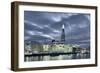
(60, 57)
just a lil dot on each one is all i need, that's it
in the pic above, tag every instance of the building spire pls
(63, 26)
(63, 34)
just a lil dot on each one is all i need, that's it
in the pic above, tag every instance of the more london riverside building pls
(57, 50)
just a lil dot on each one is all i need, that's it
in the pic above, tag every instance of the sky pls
(43, 27)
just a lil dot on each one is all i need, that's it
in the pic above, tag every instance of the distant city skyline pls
(46, 26)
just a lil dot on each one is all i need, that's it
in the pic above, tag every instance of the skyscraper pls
(63, 34)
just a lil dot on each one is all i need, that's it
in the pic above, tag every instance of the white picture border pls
(33, 64)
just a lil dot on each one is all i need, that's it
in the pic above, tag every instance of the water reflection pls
(60, 57)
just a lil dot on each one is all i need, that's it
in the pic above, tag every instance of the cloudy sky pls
(46, 26)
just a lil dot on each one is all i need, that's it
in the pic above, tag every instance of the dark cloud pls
(45, 26)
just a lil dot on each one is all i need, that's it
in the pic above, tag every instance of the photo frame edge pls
(14, 36)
